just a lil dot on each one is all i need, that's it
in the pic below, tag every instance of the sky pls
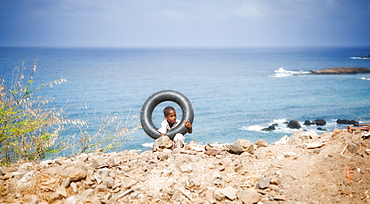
(184, 23)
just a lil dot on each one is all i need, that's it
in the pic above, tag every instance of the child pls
(171, 122)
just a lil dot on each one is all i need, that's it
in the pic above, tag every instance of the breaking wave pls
(281, 72)
(281, 126)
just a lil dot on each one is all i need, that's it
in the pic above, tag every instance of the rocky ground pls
(303, 168)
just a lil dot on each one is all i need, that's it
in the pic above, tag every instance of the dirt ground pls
(329, 168)
(304, 168)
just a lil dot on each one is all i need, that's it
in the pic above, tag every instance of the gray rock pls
(66, 182)
(74, 187)
(30, 199)
(103, 173)
(301, 136)
(212, 152)
(209, 196)
(163, 142)
(162, 156)
(263, 183)
(61, 190)
(320, 122)
(241, 146)
(185, 168)
(95, 201)
(74, 173)
(109, 182)
(229, 192)
(261, 143)
(352, 147)
(87, 193)
(101, 188)
(218, 195)
(249, 196)
(294, 124)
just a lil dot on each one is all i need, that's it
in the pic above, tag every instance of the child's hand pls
(188, 124)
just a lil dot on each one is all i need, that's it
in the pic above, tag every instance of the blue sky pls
(184, 23)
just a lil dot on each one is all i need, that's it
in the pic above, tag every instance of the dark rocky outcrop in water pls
(342, 70)
(269, 128)
(348, 122)
(320, 122)
(294, 124)
(317, 122)
(365, 57)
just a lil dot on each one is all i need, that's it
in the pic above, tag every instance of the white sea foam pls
(148, 144)
(281, 126)
(361, 58)
(280, 120)
(252, 128)
(365, 78)
(281, 72)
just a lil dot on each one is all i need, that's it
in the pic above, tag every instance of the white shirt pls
(165, 126)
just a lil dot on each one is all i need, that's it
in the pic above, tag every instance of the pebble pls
(263, 183)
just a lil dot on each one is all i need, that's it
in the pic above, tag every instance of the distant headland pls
(342, 70)
(281, 72)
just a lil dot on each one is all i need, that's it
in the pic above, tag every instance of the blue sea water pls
(231, 90)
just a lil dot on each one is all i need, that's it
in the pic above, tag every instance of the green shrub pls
(31, 130)
(28, 128)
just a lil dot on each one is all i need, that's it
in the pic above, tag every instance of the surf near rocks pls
(304, 167)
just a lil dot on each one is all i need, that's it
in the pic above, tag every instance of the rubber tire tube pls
(166, 95)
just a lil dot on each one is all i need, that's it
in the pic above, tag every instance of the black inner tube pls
(166, 95)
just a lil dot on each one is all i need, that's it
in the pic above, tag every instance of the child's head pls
(170, 114)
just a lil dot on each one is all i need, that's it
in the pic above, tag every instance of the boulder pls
(271, 127)
(261, 143)
(320, 122)
(294, 124)
(349, 122)
(241, 146)
(299, 137)
(163, 142)
(74, 173)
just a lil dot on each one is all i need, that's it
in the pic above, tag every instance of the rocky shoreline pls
(336, 70)
(342, 70)
(301, 169)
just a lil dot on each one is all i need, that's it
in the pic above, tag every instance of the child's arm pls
(163, 128)
(189, 126)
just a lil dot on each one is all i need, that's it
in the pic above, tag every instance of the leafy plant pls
(31, 130)
(28, 127)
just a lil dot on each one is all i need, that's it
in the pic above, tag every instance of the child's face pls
(171, 117)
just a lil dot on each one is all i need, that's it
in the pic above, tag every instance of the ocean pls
(233, 91)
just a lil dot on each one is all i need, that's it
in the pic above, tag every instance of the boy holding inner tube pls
(171, 122)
